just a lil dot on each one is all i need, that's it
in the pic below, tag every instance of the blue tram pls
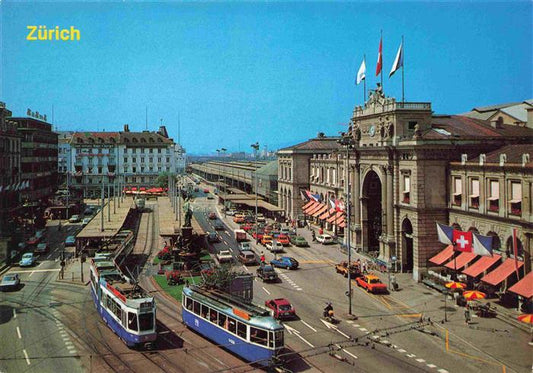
(245, 329)
(123, 306)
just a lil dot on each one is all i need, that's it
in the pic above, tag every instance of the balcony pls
(516, 208)
(406, 197)
(457, 200)
(474, 202)
(494, 205)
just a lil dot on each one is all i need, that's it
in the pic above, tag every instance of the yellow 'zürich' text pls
(43, 33)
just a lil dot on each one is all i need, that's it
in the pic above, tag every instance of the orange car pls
(371, 283)
(238, 219)
(266, 239)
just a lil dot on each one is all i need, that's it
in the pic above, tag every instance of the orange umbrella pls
(455, 285)
(526, 318)
(474, 294)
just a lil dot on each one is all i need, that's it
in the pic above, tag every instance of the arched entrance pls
(407, 246)
(372, 211)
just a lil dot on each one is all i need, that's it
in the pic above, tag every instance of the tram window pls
(196, 308)
(223, 320)
(188, 303)
(258, 336)
(271, 339)
(279, 339)
(241, 330)
(205, 311)
(213, 316)
(232, 325)
(146, 321)
(132, 321)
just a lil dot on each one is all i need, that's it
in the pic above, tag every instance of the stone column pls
(356, 204)
(390, 204)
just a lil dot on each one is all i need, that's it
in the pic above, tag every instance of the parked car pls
(245, 246)
(343, 269)
(33, 241)
(27, 260)
(325, 239)
(10, 281)
(74, 219)
(282, 308)
(267, 273)
(70, 241)
(213, 237)
(224, 256)
(85, 221)
(42, 248)
(371, 283)
(299, 241)
(247, 258)
(274, 246)
(212, 215)
(285, 262)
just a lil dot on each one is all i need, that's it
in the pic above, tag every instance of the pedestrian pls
(313, 236)
(364, 267)
(262, 258)
(467, 315)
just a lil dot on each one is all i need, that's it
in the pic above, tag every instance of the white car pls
(85, 221)
(231, 212)
(325, 239)
(274, 246)
(245, 246)
(224, 256)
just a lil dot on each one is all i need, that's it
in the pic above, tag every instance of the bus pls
(245, 329)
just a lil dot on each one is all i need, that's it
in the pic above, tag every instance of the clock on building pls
(372, 130)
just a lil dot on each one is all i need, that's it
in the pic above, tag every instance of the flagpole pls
(403, 68)
(381, 39)
(364, 81)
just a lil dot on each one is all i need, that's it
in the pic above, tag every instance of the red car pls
(371, 283)
(32, 241)
(212, 216)
(206, 190)
(247, 227)
(284, 240)
(257, 236)
(282, 308)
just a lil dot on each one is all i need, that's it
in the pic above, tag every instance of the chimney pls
(163, 131)
(525, 159)
(126, 128)
(464, 158)
(529, 122)
(482, 159)
(503, 159)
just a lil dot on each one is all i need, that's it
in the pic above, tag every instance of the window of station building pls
(134, 169)
(134, 160)
(232, 325)
(150, 150)
(457, 191)
(142, 159)
(132, 321)
(494, 195)
(125, 160)
(159, 150)
(406, 189)
(242, 330)
(474, 193)
(259, 336)
(411, 125)
(516, 198)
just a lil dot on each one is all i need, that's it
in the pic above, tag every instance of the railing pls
(413, 105)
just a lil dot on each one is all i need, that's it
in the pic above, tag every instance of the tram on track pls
(124, 306)
(247, 330)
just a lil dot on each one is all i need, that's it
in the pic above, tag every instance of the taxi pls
(371, 284)
(266, 239)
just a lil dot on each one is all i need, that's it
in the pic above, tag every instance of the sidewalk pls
(73, 272)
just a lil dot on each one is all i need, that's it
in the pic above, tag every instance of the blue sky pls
(277, 72)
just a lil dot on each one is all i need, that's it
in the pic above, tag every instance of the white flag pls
(361, 73)
(398, 61)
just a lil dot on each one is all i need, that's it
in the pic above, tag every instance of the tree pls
(162, 179)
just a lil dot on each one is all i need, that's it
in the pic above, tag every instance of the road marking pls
(18, 332)
(40, 264)
(401, 350)
(363, 329)
(309, 326)
(299, 289)
(41, 270)
(26, 356)
(331, 326)
(68, 343)
(442, 371)
(431, 365)
(246, 268)
(14, 313)
(410, 355)
(349, 353)
(420, 360)
(295, 332)
(31, 274)
(73, 351)
(231, 250)
(268, 292)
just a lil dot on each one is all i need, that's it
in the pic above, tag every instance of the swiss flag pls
(380, 58)
(462, 241)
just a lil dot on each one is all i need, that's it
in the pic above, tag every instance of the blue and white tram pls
(246, 330)
(124, 307)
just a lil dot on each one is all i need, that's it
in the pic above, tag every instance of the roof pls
(524, 287)
(461, 260)
(514, 109)
(95, 138)
(321, 143)
(513, 153)
(143, 138)
(462, 127)
(271, 168)
(503, 271)
(442, 256)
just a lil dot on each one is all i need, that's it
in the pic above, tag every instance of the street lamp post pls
(348, 142)
(256, 148)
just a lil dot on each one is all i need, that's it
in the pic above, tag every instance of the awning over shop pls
(320, 210)
(443, 256)
(311, 207)
(312, 210)
(503, 271)
(524, 287)
(340, 220)
(460, 261)
(308, 204)
(342, 225)
(481, 265)
(326, 214)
